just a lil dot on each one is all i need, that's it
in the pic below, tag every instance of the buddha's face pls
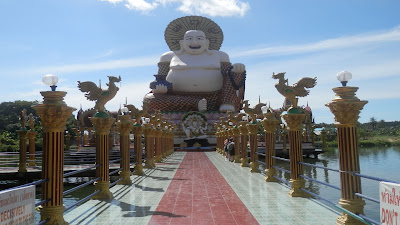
(195, 42)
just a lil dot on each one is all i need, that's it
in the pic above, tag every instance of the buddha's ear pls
(180, 51)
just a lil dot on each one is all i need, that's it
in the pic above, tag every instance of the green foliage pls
(9, 124)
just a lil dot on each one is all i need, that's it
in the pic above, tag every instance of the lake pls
(382, 162)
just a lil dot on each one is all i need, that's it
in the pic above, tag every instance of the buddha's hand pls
(238, 68)
(160, 89)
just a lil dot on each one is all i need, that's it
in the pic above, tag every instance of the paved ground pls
(200, 188)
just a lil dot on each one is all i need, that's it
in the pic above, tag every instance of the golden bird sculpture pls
(298, 89)
(97, 94)
(252, 112)
(137, 113)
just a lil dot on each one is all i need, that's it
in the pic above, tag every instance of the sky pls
(88, 40)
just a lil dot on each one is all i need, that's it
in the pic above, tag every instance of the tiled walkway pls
(200, 194)
(200, 188)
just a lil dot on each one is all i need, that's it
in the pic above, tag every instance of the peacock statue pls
(99, 95)
(298, 89)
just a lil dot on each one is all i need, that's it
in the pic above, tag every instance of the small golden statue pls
(99, 95)
(31, 122)
(297, 89)
(22, 119)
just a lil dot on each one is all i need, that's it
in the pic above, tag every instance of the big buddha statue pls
(195, 75)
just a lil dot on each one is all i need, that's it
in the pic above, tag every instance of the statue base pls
(195, 142)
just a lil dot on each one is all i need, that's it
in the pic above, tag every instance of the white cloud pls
(224, 8)
(214, 7)
(141, 5)
(106, 65)
(330, 44)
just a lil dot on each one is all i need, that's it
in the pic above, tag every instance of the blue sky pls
(87, 40)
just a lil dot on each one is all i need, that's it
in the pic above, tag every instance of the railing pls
(336, 206)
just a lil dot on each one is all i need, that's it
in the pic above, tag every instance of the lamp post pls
(346, 108)
(53, 113)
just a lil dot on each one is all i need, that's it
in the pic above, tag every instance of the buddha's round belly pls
(195, 80)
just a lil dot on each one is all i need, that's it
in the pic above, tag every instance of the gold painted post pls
(243, 144)
(270, 123)
(346, 107)
(53, 113)
(137, 132)
(253, 128)
(22, 134)
(158, 157)
(124, 126)
(32, 150)
(102, 124)
(149, 146)
(31, 137)
(294, 119)
(236, 136)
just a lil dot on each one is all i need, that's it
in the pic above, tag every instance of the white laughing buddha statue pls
(202, 78)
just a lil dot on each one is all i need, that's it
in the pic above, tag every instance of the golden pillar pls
(137, 132)
(53, 113)
(102, 124)
(124, 126)
(243, 144)
(32, 150)
(158, 136)
(253, 128)
(149, 146)
(22, 134)
(346, 107)
(236, 136)
(269, 123)
(294, 119)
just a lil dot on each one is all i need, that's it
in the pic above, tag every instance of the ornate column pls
(32, 158)
(124, 126)
(346, 107)
(253, 128)
(32, 136)
(269, 123)
(158, 135)
(102, 124)
(149, 146)
(243, 144)
(53, 113)
(137, 132)
(294, 119)
(236, 136)
(22, 134)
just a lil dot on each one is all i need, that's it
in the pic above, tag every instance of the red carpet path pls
(198, 194)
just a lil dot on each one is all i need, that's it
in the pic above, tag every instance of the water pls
(378, 162)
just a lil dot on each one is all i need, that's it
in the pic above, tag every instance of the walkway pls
(200, 188)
